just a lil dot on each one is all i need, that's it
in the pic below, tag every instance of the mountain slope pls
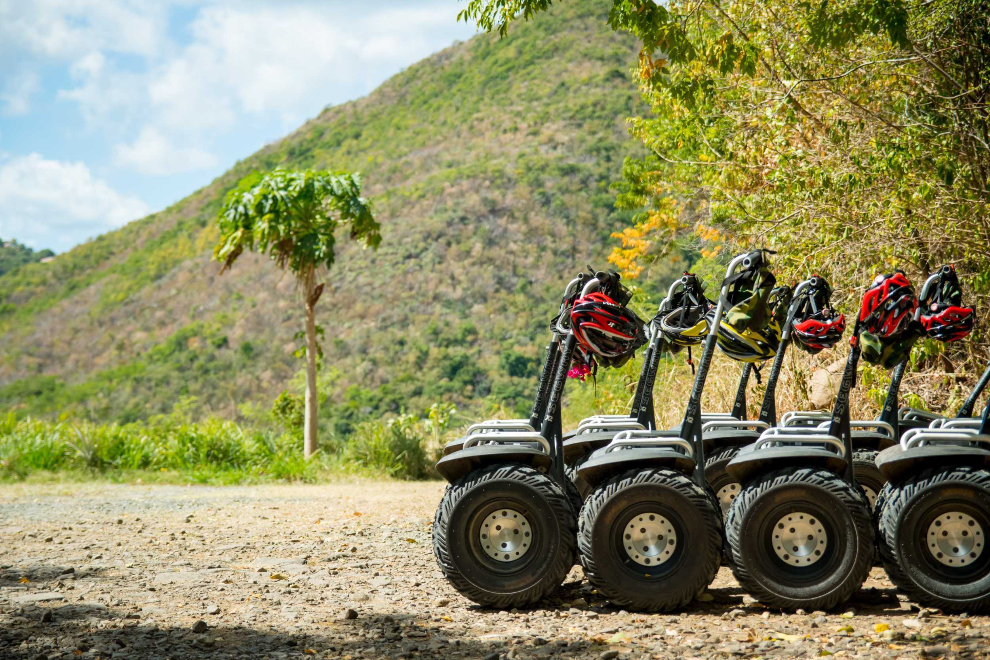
(490, 165)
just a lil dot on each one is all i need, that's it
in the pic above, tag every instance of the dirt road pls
(346, 571)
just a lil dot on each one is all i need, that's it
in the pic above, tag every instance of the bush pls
(395, 448)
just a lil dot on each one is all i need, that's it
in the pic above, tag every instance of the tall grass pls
(210, 451)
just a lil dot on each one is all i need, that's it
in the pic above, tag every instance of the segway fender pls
(459, 463)
(750, 462)
(729, 438)
(579, 445)
(896, 463)
(868, 440)
(454, 445)
(603, 465)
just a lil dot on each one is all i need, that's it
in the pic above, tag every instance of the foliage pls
(394, 448)
(851, 136)
(169, 448)
(13, 255)
(293, 217)
(490, 164)
(288, 410)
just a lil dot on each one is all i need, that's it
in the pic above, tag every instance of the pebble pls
(608, 655)
(441, 602)
(212, 609)
(349, 614)
(491, 656)
(200, 627)
(46, 616)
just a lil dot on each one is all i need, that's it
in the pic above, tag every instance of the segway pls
(650, 535)
(871, 437)
(680, 323)
(550, 359)
(818, 328)
(934, 513)
(505, 531)
(934, 516)
(800, 530)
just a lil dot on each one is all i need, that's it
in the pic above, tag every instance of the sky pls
(113, 109)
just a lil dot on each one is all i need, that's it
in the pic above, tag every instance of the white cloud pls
(268, 62)
(67, 28)
(15, 98)
(153, 153)
(56, 204)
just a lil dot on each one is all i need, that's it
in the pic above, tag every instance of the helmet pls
(816, 326)
(605, 330)
(750, 329)
(943, 317)
(886, 325)
(682, 318)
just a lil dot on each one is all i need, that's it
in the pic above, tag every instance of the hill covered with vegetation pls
(490, 164)
(13, 254)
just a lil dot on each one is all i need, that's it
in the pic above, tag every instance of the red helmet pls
(816, 325)
(888, 306)
(943, 317)
(606, 330)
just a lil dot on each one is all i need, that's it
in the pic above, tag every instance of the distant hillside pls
(13, 254)
(490, 164)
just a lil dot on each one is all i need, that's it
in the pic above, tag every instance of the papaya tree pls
(294, 218)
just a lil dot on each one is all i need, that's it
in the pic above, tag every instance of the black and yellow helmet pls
(682, 319)
(750, 328)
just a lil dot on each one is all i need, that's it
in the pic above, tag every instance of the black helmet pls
(816, 324)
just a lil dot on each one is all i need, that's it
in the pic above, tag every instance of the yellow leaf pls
(446, 618)
(309, 651)
(620, 638)
(880, 627)
(411, 541)
(845, 629)
(276, 576)
(966, 623)
(357, 513)
(822, 653)
(848, 615)
(24, 580)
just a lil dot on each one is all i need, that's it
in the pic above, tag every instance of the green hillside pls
(13, 255)
(490, 164)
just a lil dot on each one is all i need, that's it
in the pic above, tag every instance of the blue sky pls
(112, 109)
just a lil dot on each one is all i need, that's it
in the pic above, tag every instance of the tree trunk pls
(311, 444)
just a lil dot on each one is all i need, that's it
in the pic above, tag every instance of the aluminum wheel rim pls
(871, 496)
(799, 539)
(955, 539)
(506, 535)
(726, 494)
(649, 539)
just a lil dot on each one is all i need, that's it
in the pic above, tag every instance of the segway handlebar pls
(501, 424)
(508, 437)
(865, 424)
(734, 424)
(921, 437)
(778, 436)
(628, 439)
(589, 425)
(803, 416)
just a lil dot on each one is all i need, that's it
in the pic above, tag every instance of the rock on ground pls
(346, 570)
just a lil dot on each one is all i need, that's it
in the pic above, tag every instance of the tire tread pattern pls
(888, 518)
(657, 600)
(855, 501)
(559, 504)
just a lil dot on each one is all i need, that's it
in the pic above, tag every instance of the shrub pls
(395, 448)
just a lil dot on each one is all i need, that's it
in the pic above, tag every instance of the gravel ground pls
(346, 571)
